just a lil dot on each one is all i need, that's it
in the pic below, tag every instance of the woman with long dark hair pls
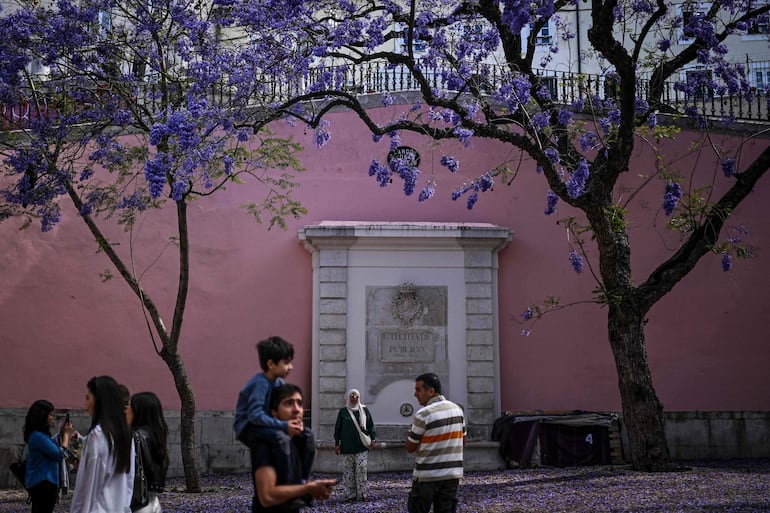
(145, 416)
(105, 475)
(44, 456)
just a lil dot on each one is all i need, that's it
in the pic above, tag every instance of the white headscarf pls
(359, 407)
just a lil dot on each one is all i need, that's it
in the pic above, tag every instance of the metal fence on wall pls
(379, 77)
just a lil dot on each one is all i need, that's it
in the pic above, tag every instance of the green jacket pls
(346, 434)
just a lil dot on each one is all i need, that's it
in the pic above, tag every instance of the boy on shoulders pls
(253, 422)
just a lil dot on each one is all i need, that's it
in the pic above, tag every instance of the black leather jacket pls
(155, 467)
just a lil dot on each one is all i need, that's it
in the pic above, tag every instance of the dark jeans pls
(441, 494)
(304, 443)
(44, 495)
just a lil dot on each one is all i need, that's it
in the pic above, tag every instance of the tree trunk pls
(186, 423)
(642, 410)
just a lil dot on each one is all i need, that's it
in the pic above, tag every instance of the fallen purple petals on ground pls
(739, 486)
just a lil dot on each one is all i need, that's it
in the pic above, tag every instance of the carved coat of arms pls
(406, 307)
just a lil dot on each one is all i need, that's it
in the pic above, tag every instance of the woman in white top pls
(105, 476)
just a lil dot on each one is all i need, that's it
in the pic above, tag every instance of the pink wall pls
(60, 325)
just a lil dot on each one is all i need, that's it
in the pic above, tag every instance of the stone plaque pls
(407, 346)
(406, 334)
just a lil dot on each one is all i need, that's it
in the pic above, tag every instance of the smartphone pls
(67, 418)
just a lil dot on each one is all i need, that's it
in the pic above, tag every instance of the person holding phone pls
(44, 455)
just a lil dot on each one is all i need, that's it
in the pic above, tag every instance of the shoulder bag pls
(365, 439)
(141, 496)
(19, 470)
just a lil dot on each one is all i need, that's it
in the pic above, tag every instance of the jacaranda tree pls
(132, 106)
(194, 81)
(478, 71)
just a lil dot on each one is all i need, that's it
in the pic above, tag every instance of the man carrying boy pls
(253, 422)
(283, 491)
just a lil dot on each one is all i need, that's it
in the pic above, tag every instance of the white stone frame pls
(468, 251)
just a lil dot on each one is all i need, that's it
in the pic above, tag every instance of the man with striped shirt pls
(437, 435)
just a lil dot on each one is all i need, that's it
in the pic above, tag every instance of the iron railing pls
(379, 77)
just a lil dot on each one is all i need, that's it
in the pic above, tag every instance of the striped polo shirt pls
(439, 429)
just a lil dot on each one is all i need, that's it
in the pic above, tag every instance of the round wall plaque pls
(405, 153)
(406, 410)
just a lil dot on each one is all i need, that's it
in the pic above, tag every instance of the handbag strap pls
(361, 434)
(138, 450)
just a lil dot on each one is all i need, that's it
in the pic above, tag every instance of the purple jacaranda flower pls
(576, 261)
(606, 125)
(322, 134)
(528, 314)
(588, 140)
(472, 199)
(407, 173)
(87, 173)
(427, 192)
(540, 120)
(552, 154)
(121, 117)
(49, 216)
(728, 167)
(579, 104)
(450, 163)
(464, 134)
(450, 117)
(380, 172)
(228, 162)
(155, 171)
(671, 197)
(179, 190)
(395, 139)
(135, 201)
(577, 181)
(641, 106)
(727, 262)
(486, 182)
(652, 120)
(642, 6)
(551, 200)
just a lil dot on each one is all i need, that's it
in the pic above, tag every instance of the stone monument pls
(394, 300)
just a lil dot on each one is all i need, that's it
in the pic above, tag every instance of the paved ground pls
(734, 486)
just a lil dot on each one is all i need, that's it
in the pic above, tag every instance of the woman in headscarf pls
(354, 435)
